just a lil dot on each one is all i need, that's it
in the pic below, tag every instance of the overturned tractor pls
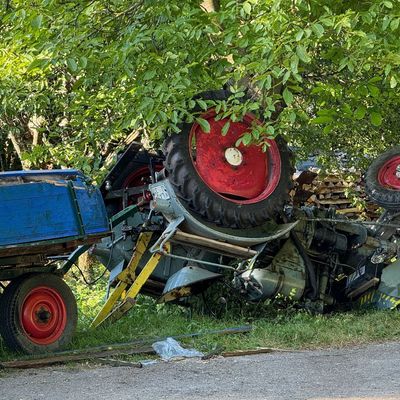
(205, 210)
(201, 211)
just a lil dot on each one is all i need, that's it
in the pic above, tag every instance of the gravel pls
(365, 372)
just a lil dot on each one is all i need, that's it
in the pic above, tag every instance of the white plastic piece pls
(169, 349)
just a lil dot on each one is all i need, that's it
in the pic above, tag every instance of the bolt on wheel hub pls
(233, 156)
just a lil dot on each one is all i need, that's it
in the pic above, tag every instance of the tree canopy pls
(78, 77)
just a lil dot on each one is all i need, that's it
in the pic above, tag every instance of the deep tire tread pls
(384, 197)
(198, 197)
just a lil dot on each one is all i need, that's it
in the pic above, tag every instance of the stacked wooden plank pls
(343, 192)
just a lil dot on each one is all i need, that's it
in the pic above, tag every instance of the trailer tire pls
(381, 182)
(39, 314)
(257, 184)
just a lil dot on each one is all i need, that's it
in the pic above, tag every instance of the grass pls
(289, 329)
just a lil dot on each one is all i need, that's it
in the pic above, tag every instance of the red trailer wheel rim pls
(43, 315)
(243, 174)
(389, 174)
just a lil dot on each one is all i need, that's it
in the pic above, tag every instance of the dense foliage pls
(78, 77)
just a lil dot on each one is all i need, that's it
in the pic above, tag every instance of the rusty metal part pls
(211, 244)
(62, 359)
(128, 348)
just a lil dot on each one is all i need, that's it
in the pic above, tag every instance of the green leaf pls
(225, 128)
(360, 112)
(247, 7)
(385, 23)
(388, 68)
(202, 104)
(323, 119)
(318, 29)
(37, 22)
(270, 130)
(147, 103)
(246, 139)
(286, 77)
(268, 82)
(294, 63)
(149, 75)
(39, 63)
(394, 24)
(393, 82)
(374, 90)
(302, 54)
(256, 134)
(83, 61)
(204, 124)
(72, 65)
(376, 118)
(287, 96)
(388, 4)
(299, 35)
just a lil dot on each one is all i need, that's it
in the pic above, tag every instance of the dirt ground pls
(367, 372)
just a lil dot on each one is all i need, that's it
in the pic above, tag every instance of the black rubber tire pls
(199, 198)
(11, 303)
(383, 196)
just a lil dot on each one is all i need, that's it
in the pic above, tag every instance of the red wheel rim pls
(243, 174)
(43, 315)
(389, 174)
(140, 177)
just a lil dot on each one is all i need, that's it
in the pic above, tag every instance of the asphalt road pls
(370, 372)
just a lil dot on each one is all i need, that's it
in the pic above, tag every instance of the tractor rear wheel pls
(39, 313)
(382, 180)
(231, 186)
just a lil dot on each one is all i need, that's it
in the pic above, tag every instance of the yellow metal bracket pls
(122, 299)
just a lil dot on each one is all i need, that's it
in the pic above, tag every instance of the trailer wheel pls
(39, 314)
(232, 186)
(382, 180)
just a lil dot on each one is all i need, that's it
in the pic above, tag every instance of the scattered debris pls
(120, 363)
(250, 352)
(103, 353)
(62, 359)
(170, 349)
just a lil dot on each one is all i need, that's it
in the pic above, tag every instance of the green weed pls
(272, 326)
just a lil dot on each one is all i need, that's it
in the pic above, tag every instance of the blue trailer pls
(43, 215)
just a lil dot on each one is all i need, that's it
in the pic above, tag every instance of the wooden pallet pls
(344, 193)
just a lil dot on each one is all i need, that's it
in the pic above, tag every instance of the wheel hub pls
(233, 156)
(43, 315)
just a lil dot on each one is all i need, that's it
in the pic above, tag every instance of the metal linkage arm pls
(128, 285)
